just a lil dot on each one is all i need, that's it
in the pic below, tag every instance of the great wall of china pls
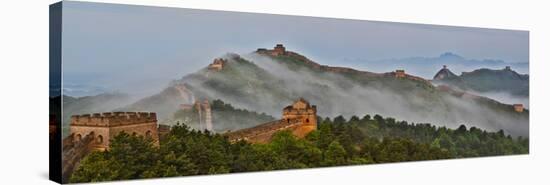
(93, 132)
(280, 50)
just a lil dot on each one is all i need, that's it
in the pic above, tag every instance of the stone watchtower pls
(400, 73)
(279, 49)
(304, 113)
(105, 126)
(518, 107)
(217, 65)
(205, 114)
(300, 118)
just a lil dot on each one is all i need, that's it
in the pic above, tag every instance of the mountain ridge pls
(337, 69)
(488, 80)
(424, 66)
(266, 82)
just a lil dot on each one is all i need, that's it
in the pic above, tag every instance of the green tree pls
(129, 156)
(335, 155)
(339, 120)
(94, 168)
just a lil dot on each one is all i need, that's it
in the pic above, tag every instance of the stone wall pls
(186, 94)
(102, 133)
(163, 131)
(261, 133)
(317, 66)
(264, 132)
(143, 129)
(345, 70)
(300, 118)
(73, 152)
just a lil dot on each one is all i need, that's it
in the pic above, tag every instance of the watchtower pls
(279, 49)
(217, 65)
(300, 118)
(304, 114)
(400, 73)
(518, 107)
(105, 126)
(205, 114)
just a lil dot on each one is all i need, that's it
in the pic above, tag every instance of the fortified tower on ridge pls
(105, 126)
(278, 50)
(400, 73)
(217, 65)
(301, 111)
(300, 118)
(204, 113)
(518, 107)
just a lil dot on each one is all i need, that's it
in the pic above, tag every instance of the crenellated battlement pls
(111, 119)
(300, 111)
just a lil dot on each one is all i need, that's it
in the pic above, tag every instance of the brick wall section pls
(300, 118)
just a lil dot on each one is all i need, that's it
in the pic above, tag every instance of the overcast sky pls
(138, 48)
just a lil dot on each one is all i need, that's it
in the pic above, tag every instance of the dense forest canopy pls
(336, 142)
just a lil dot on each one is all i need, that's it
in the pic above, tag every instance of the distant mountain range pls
(77, 90)
(486, 80)
(104, 102)
(425, 66)
(265, 82)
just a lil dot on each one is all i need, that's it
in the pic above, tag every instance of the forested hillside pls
(337, 142)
